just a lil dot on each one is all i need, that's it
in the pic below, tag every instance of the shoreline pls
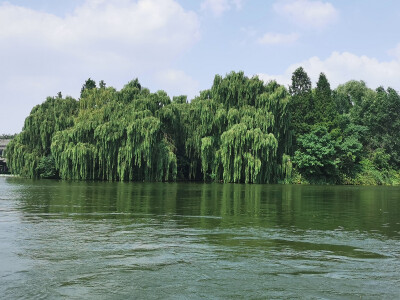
(393, 184)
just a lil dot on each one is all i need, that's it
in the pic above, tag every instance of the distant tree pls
(88, 85)
(102, 84)
(7, 136)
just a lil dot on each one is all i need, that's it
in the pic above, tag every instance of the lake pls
(104, 240)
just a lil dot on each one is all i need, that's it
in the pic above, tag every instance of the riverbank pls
(366, 177)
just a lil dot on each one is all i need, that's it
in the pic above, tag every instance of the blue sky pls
(50, 46)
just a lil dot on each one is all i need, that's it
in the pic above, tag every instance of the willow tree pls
(236, 90)
(203, 118)
(26, 150)
(117, 136)
(238, 131)
(276, 101)
(247, 154)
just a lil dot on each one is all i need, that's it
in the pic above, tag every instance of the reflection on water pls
(158, 240)
(372, 209)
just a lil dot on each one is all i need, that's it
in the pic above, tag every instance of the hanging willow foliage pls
(238, 131)
(247, 155)
(116, 138)
(25, 151)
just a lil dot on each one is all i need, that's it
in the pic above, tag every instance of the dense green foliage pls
(25, 151)
(240, 130)
(351, 134)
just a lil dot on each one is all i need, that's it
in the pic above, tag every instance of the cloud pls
(114, 40)
(307, 13)
(281, 79)
(118, 26)
(218, 7)
(278, 38)
(342, 67)
(179, 82)
(395, 52)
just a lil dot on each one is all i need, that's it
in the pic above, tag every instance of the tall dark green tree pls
(301, 103)
(324, 107)
(301, 83)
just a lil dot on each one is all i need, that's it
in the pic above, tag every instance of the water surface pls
(99, 240)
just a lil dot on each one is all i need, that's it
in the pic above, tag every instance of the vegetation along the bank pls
(240, 130)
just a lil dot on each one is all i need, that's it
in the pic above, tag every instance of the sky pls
(49, 46)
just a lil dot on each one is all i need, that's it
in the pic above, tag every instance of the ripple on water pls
(107, 240)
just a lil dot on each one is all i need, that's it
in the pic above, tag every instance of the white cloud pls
(277, 38)
(114, 40)
(307, 13)
(122, 26)
(178, 82)
(342, 67)
(281, 79)
(395, 52)
(218, 7)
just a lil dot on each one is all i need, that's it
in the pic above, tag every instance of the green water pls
(77, 240)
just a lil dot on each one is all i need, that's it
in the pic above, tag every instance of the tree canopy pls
(241, 130)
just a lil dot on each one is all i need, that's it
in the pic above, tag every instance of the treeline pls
(350, 135)
(7, 136)
(240, 130)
